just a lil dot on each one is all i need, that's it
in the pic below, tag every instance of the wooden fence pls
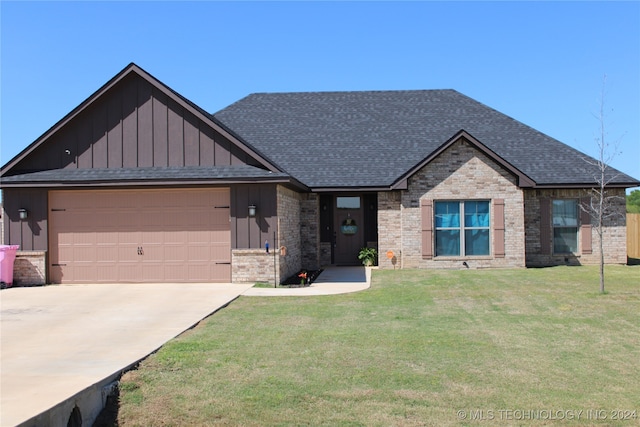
(633, 235)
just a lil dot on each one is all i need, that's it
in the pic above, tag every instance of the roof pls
(373, 138)
(343, 141)
(139, 176)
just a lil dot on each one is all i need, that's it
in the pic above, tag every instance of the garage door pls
(115, 236)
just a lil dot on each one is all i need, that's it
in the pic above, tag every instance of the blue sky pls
(541, 63)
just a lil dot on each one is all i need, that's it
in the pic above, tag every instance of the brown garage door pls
(112, 236)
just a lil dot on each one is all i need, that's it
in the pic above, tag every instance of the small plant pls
(368, 256)
(303, 277)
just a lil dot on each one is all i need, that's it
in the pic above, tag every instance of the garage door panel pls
(219, 235)
(175, 238)
(83, 254)
(199, 253)
(198, 272)
(219, 253)
(153, 272)
(177, 253)
(140, 235)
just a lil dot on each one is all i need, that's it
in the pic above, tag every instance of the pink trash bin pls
(7, 256)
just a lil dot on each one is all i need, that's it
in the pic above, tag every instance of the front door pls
(349, 230)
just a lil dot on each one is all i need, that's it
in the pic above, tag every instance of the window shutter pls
(586, 244)
(498, 228)
(426, 209)
(545, 227)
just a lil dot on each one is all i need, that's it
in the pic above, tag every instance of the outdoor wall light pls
(252, 210)
(23, 213)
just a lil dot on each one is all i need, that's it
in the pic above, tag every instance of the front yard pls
(480, 347)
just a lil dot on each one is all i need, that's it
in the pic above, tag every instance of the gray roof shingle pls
(175, 174)
(372, 138)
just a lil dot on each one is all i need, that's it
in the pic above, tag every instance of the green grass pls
(415, 349)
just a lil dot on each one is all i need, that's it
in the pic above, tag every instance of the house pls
(138, 184)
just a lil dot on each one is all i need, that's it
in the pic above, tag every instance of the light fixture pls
(252, 210)
(23, 213)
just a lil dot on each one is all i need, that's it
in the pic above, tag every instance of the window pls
(565, 226)
(348, 202)
(462, 235)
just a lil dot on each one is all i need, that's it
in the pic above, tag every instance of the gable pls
(134, 122)
(463, 138)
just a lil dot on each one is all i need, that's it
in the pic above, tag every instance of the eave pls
(158, 176)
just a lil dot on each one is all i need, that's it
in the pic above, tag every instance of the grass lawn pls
(421, 347)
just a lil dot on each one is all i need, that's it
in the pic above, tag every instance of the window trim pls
(462, 228)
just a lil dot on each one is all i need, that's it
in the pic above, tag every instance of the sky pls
(546, 64)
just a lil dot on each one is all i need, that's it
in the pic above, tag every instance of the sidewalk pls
(333, 280)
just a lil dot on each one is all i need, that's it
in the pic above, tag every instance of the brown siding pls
(251, 233)
(191, 140)
(175, 129)
(99, 147)
(134, 125)
(207, 146)
(145, 126)
(114, 135)
(130, 126)
(160, 145)
(32, 233)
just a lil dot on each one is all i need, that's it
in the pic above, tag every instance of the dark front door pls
(349, 230)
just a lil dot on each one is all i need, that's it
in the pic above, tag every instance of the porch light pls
(23, 213)
(252, 210)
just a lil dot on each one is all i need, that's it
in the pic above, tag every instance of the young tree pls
(602, 206)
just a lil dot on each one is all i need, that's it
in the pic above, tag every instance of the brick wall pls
(29, 268)
(254, 265)
(310, 230)
(460, 173)
(390, 229)
(614, 235)
(289, 235)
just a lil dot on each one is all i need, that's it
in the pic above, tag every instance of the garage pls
(142, 235)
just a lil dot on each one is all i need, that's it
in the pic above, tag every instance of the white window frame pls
(461, 228)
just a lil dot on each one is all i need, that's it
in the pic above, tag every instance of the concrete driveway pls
(61, 342)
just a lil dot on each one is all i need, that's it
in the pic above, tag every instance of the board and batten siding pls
(134, 125)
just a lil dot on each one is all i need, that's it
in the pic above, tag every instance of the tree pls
(602, 206)
(633, 202)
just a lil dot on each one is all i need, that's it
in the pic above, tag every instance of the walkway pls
(333, 280)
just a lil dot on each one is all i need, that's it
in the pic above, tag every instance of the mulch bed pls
(294, 281)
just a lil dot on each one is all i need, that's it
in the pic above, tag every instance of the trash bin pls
(7, 256)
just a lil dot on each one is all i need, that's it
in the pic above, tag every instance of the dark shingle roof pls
(372, 138)
(174, 174)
